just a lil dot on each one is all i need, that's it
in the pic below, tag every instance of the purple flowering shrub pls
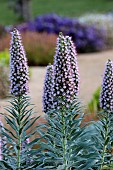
(86, 38)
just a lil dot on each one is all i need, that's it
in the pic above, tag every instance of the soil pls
(91, 67)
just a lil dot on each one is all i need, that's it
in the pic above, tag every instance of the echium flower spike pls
(64, 88)
(72, 57)
(19, 75)
(48, 90)
(106, 96)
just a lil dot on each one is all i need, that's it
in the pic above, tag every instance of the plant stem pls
(19, 136)
(64, 141)
(105, 145)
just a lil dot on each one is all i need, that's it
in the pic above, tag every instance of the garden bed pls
(91, 69)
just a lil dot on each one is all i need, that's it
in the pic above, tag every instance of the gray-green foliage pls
(67, 143)
(103, 141)
(20, 128)
(71, 146)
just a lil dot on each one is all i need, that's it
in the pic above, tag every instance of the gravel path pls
(91, 68)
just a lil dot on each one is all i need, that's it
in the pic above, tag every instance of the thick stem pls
(105, 144)
(19, 136)
(64, 140)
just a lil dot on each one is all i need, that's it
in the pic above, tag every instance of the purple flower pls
(24, 143)
(48, 89)
(18, 66)
(106, 97)
(26, 149)
(66, 77)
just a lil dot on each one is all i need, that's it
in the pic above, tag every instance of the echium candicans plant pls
(19, 75)
(104, 127)
(48, 90)
(66, 76)
(66, 144)
(19, 117)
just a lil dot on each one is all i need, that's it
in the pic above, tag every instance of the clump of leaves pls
(67, 144)
(4, 76)
(4, 57)
(4, 81)
(103, 141)
(94, 104)
(19, 122)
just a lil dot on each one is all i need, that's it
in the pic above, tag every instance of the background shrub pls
(2, 30)
(4, 43)
(100, 21)
(86, 38)
(4, 74)
(4, 57)
(4, 81)
(39, 47)
(94, 104)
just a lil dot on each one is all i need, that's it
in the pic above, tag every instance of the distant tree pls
(22, 8)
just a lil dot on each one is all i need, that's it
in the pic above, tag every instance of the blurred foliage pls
(71, 8)
(4, 74)
(39, 47)
(22, 9)
(2, 30)
(4, 81)
(94, 104)
(4, 57)
(86, 38)
(101, 21)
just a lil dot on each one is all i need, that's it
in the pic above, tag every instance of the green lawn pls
(71, 8)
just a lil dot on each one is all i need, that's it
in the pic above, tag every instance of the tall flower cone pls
(48, 89)
(64, 88)
(72, 56)
(106, 96)
(18, 66)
